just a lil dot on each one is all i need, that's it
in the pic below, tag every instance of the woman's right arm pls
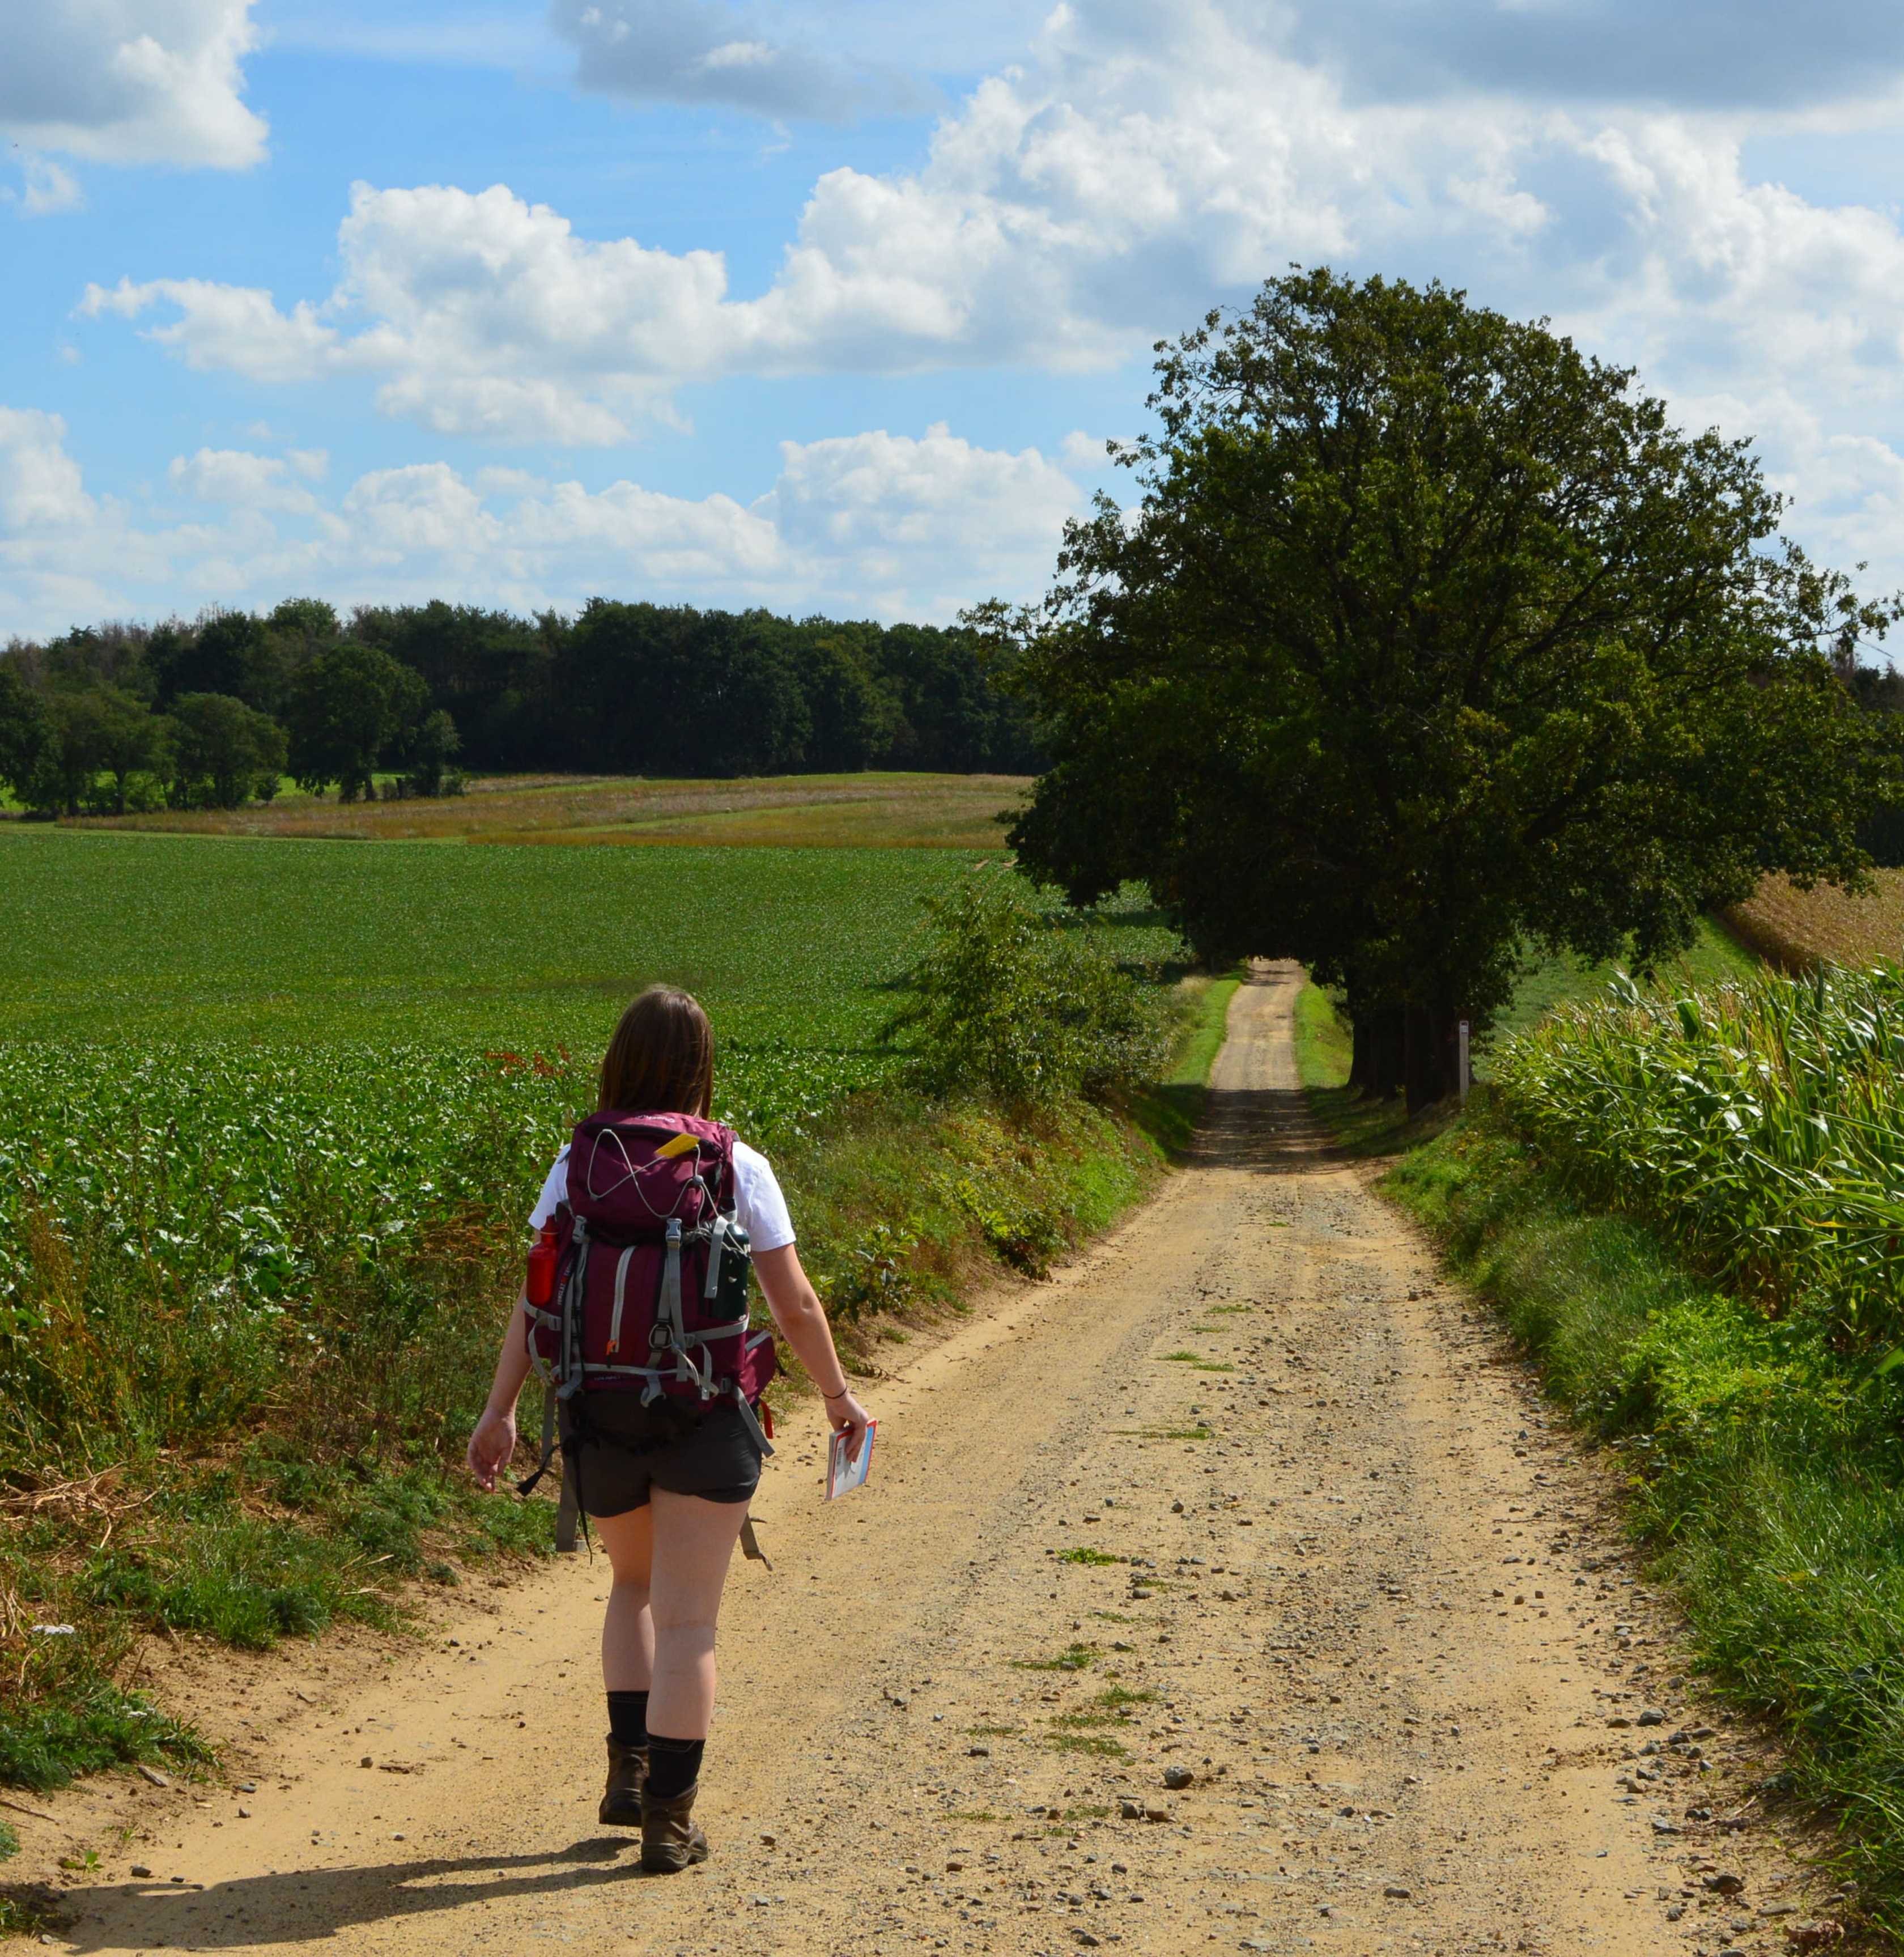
(493, 1442)
(802, 1319)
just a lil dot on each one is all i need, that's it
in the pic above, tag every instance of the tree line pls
(215, 711)
(1431, 640)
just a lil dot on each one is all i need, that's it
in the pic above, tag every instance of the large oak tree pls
(1432, 638)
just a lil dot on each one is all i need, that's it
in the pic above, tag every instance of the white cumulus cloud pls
(42, 494)
(706, 51)
(874, 523)
(928, 526)
(61, 547)
(1064, 213)
(238, 478)
(129, 80)
(1141, 164)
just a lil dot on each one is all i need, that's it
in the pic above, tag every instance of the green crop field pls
(271, 1114)
(221, 1053)
(144, 936)
(205, 1046)
(454, 954)
(1758, 1121)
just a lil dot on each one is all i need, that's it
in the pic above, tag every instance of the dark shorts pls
(620, 1449)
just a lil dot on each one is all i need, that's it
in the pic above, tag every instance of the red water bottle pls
(539, 1287)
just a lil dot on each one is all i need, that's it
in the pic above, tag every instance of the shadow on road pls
(1269, 1129)
(302, 1905)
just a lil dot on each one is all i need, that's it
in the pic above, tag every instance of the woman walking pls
(656, 1422)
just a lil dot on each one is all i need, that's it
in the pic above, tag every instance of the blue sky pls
(831, 306)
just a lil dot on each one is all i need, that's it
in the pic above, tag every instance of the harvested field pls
(893, 812)
(1795, 929)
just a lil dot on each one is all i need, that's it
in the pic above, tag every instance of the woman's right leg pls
(694, 1541)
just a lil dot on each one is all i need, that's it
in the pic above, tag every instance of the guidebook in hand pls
(845, 1471)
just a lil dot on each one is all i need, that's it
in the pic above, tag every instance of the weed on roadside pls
(1095, 1744)
(1073, 1657)
(53, 1732)
(1105, 1708)
(28, 1910)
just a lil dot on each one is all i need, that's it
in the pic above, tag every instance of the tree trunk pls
(1359, 1068)
(1434, 1054)
(1421, 1069)
(1385, 1054)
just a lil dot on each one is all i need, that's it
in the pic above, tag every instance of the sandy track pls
(1379, 1614)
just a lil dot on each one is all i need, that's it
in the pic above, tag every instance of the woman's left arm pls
(802, 1320)
(494, 1441)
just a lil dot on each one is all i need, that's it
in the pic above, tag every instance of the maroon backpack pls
(650, 1280)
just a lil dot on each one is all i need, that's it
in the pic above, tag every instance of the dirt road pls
(1247, 1492)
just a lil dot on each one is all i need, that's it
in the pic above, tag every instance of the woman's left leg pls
(627, 1661)
(628, 1624)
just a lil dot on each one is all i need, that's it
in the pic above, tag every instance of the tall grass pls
(1762, 1123)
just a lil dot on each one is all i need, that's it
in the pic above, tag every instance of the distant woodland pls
(215, 711)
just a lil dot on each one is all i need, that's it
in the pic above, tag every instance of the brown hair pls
(660, 1056)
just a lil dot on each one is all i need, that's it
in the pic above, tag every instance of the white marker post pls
(1462, 1073)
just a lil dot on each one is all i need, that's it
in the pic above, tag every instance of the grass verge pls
(908, 1205)
(1323, 1048)
(1760, 1455)
(1762, 1473)
(1169, 1112)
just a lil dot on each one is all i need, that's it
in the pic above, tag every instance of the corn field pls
(1761, 1123)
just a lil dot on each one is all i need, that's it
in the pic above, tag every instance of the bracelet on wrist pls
(844, 1393)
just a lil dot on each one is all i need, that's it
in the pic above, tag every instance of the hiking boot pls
(670, 1841)
(627, 1775)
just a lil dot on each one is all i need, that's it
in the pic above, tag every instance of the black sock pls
(628, 1718)
(674, 1766)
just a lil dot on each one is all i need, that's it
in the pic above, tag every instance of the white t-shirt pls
(759, 1207)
